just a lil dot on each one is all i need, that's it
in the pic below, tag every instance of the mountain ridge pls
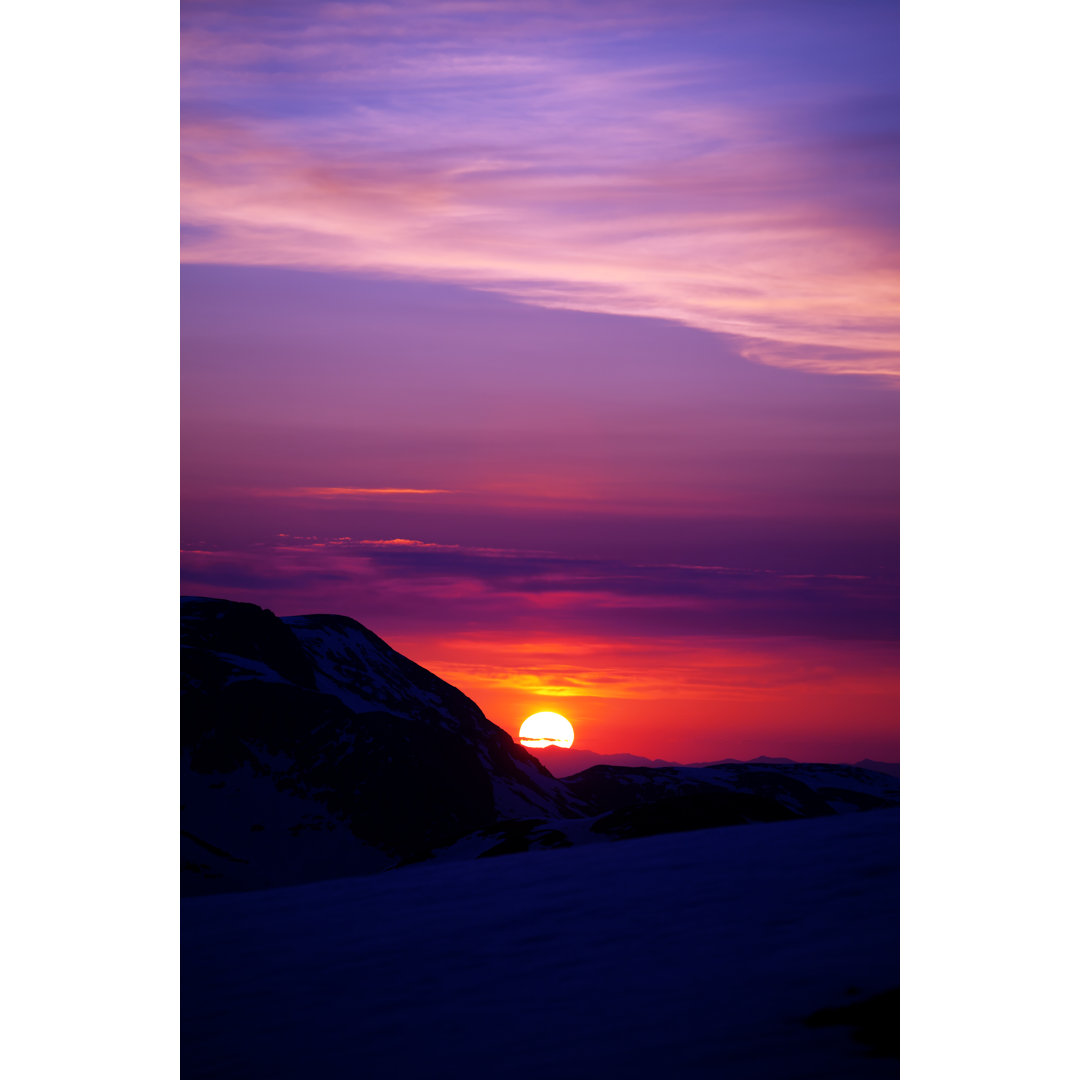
(311, 749)
(564, 762)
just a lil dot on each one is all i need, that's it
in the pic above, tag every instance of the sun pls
(546, 729)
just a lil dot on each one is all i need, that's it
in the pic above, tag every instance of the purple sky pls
(556, 343)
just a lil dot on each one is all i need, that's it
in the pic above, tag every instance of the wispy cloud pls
(702, 669)
(684, 662)
(527, 590)
(340, 492)
(522, 149)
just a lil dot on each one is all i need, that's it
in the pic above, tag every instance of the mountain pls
(311, 749)
(560, 761)
(761, 760)
(641, 802)
(563, 762)
(621, 803)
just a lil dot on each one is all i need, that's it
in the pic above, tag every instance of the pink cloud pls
(467, 152)
(342, 492)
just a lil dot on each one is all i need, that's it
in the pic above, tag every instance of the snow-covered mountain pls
(622, 803)
(641, 802)
(311, 749)
(803, 789)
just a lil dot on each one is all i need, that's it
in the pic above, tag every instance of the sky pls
(556, 342)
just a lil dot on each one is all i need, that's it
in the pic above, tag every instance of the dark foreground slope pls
(728, 953)
(310, 749)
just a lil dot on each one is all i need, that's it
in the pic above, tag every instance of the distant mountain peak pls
(563, 762)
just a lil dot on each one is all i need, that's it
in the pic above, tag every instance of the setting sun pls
(546, 729)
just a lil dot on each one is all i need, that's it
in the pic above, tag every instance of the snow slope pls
(689, 955)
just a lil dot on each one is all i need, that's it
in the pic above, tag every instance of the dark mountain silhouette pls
(804, 790)
(563, 762)
(622, 803)
(311, 749)
(560, 761)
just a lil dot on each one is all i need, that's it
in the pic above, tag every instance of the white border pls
(90, 441)
(989, 537)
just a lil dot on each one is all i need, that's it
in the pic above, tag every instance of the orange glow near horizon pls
(644, 675)
(685, 700)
